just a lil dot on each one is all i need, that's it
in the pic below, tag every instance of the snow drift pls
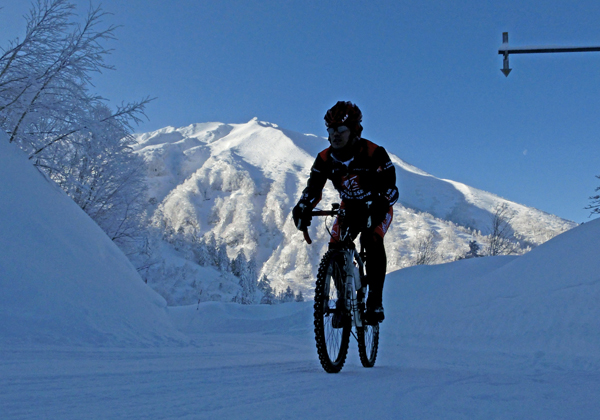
(62, 280)
(542, 305)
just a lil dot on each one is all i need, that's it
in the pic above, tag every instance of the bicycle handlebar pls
(318, 213)
(324, 212)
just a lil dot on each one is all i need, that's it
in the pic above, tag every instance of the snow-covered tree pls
(501, 234)
(299, 297)
(474, 250)
(46, 76)
(210, 254)
(425, 249)
(46, 107)
(246, 271)
(105, 178)
(287, 295)
(595, 202)
(264, 286)
(222, 260)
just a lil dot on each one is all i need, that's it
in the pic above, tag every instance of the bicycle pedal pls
(373, 317)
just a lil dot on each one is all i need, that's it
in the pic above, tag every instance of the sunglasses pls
(339, 129)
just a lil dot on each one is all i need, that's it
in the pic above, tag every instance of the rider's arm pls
(316, 181)
(387, 175)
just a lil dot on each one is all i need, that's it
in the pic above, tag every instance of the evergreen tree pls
(473, 250)
(264, 285)
(287, 296)
(238, 265)
(200, 253)
(299, 297)
(212, 253)
(595, 202)
(223, 262)
(246, 271)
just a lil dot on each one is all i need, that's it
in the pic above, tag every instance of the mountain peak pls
(237, 184)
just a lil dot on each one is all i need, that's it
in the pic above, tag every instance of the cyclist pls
(365, 178)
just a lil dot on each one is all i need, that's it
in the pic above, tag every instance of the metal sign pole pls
(506, 50)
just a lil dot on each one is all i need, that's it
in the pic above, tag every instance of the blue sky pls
(425, 74)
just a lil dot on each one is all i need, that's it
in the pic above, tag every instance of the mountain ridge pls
(235, 184)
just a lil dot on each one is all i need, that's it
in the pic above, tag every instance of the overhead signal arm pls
(505, 50)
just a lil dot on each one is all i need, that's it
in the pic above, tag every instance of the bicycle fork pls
(352, 284)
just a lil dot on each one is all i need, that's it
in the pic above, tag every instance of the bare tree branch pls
(501, 235)
(426, 252)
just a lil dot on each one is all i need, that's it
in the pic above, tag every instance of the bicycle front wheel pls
(332, 321)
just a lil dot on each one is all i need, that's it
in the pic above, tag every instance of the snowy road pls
(278, 376)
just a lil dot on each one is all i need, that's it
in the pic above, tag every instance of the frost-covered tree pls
(299, 297)
(474, 250)
(222, 260)
(46, 76)
(208, 255)
(105, 178)
(501, 235)
(47, 108)
(200, 253)
(287, 295)
(595, 202)
(246, 271)
(425, 249)
(264, 286)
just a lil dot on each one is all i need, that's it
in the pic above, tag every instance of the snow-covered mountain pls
(231, 187)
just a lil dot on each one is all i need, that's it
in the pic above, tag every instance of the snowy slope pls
(235, 185)
(62, 280)
(543, 304)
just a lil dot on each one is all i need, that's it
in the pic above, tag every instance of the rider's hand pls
(378, 209)
(301, 215)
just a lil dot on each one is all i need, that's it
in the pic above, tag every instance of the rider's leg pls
(372, 242)
(376, 268)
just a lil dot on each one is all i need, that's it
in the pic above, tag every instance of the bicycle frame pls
(354, 275)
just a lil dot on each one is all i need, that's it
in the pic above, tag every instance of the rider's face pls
(339, 140)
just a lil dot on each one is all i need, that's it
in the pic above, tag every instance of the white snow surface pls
(238, 183)
(82, 336)
(62, 280)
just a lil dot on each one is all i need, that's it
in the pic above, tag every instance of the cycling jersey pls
(368, 174)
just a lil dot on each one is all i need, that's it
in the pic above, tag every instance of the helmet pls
(345, 113)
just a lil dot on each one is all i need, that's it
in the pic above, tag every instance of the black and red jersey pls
(369, 173)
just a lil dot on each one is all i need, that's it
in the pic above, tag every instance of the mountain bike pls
(340, 300)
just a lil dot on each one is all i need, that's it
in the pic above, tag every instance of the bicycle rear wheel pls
(332, 322)
(368, 344)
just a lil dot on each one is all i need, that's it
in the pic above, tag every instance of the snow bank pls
(62, 281)
(543, 304)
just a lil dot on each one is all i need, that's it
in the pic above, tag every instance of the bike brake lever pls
(306, 236)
